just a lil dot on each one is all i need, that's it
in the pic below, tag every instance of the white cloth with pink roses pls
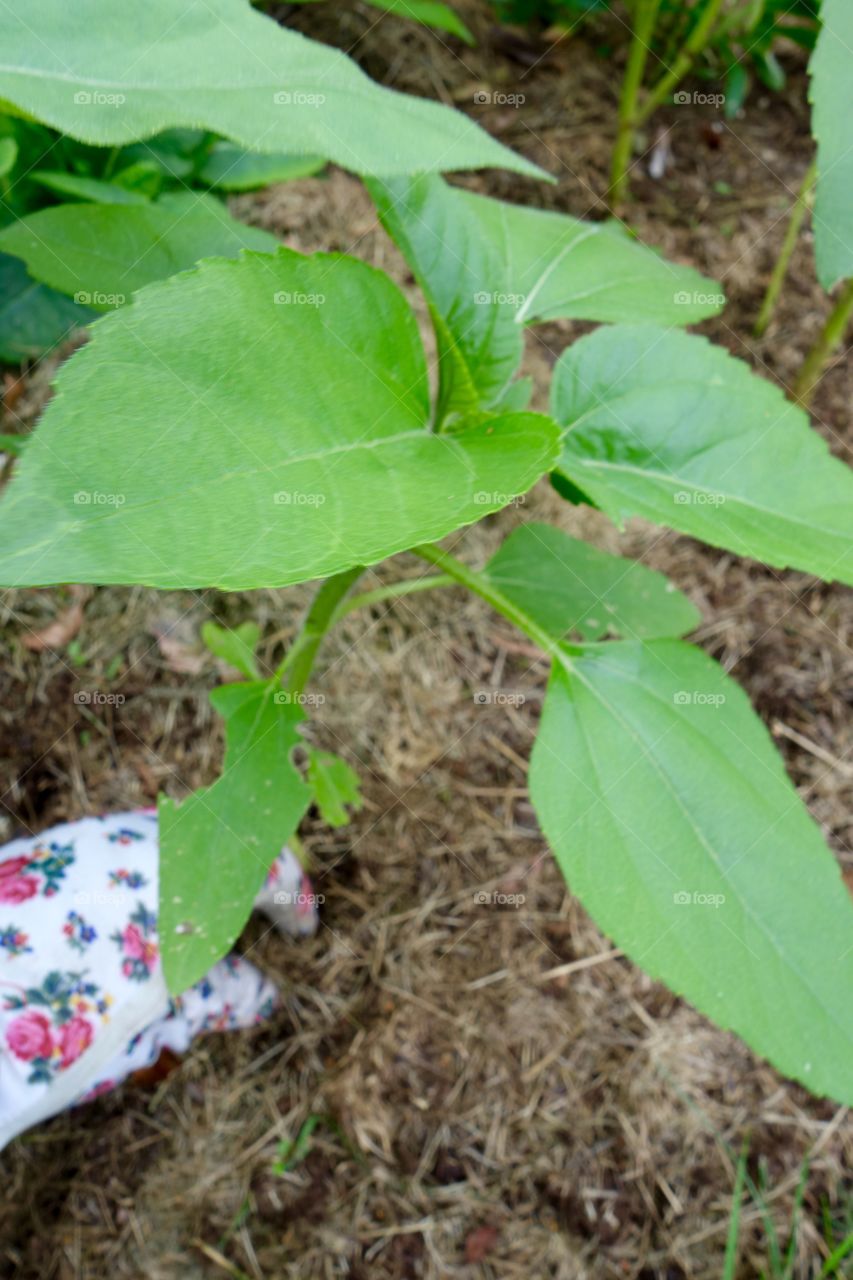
(83, 1001)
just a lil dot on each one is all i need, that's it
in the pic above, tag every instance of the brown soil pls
(481, 1116)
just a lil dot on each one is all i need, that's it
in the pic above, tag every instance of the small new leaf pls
(235, 646)
(335, 786)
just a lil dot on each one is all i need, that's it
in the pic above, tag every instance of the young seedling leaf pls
(33, 318)
(102, 253)
(335, 786)
(236, 645)
(109, 74)
(253, 423)
(666, 426)
(675, 825)
(217, 846)
(831, 94)
(566, 585)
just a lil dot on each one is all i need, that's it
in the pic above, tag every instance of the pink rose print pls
(74, 1037)
(16, 889)
(133, 942)
(29, 1036)
(12, 866)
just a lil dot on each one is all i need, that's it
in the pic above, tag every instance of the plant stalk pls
(832, 334)
(643, 29)
(391, 592)
(299, 659)
(482, 587)
(792, 235)
(693, 45)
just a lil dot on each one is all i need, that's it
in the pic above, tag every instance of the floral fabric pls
(82, 997)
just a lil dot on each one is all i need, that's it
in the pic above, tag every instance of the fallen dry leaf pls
(63, 629)
(178, 644)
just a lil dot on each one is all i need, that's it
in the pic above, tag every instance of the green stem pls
(693, 45)
(486, 590)
(792, 234)
(832, 334)
(643, 29)
(390, 592)
(299, 659)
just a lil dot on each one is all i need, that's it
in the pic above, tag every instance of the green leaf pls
(488, 268)
(101, 254)
(831, 93)
(566, 585)
(479, 343)
(335, 785)
(109, 74)
(218, 845)
(13, 445)
(33, 318)
(235, 646)
(231, 168)
(675, 825)
(428, 13)
(253, 423)
(666, 426)
(90, 189)
(8, 156)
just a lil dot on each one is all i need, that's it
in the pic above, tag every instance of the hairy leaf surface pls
(566, 585)
(666, 426)
(108, 251)
(675, 825)
(253, 423)
(110, 73)
(218, 844)
(831, 94)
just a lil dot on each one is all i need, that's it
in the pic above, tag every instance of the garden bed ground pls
(490, 1118)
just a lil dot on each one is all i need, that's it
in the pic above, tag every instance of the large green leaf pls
(832, 107)
(666, 426)
(33, 318)
(566, 585)
(253, 423)
(102, 253)
(217, 846)
(109, 73)
(675, 825)
(551, 265)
